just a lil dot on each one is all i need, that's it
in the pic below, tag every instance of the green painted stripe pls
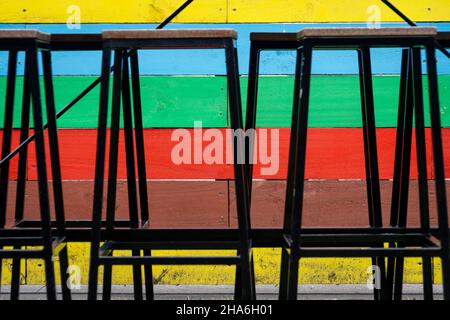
(170, 101)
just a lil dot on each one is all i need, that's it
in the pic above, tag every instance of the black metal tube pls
(174, 14)
(413, 24)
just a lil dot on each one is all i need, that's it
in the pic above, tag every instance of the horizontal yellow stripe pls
(267, 267)
(334, 10)
(109, 11)
(217, 11)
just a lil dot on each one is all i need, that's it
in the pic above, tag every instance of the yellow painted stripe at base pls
(216, 11)
(267, 266)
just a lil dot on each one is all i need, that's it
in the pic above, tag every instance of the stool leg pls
(249, 146)
(56, 171)
(42, 177)
(140, 154)
(107, 280)
(250, 123)
(422, 168)
(404, 176)
(113, 162)
(252, 97)
(239, 170)
(284, 272)
(439, 167)
(7, 135)
(131, 170)
(299, 171)
(247, 181)
(7, 132)
(370, 153)
(21, 172)
(99, 175)
(397, 165)
(15, 277)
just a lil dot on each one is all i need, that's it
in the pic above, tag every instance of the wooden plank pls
(367, 32)
(327, 204)
(169, 34)
(24, 34)
(332, 153)
(174, 204)
(203, 204)
(446, 148)
(13, 164)
(85, 11)
(172, 102)
(332, 11)
(217, 11)
(211, 62)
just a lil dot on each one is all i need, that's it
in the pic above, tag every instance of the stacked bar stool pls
(89, 42)
(53, 243)
(266, 41)
(360, 242)
(413, 242)
(139, 238)
(68, 43)
(410, 105)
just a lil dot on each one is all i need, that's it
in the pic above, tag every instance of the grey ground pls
(225, 292)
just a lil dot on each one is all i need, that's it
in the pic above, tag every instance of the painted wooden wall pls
(182, 87)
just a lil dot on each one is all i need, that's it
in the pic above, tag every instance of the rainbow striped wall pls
(186, 86)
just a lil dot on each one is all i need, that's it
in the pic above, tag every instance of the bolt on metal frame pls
(53, 245)
(126, 60)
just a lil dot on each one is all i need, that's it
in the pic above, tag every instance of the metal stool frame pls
(287, 42)
(139, 238)
(422, 244)
(52, 244)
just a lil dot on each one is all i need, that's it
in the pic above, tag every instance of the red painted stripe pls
(332, 153)
(15, 141)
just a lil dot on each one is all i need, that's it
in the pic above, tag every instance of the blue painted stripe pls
(385, 61)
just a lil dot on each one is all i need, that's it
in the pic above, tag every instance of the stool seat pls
(75, 37)
(367, 32)
(273, 36)
(443, 35)
(169, 34)
(76, 41)
(443, 38)
(24, 34)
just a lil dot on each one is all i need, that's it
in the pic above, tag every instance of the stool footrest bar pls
(333, 252)
(192, 260)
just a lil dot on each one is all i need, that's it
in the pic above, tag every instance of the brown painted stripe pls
(191, 204)
(186, 204)
(327, 203)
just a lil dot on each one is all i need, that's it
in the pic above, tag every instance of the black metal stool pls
(298, 242)
(63, 43)
(32, 42)
(411, 243)
(125, 44)
(89, 42)
(264, 41)
(410, 98)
